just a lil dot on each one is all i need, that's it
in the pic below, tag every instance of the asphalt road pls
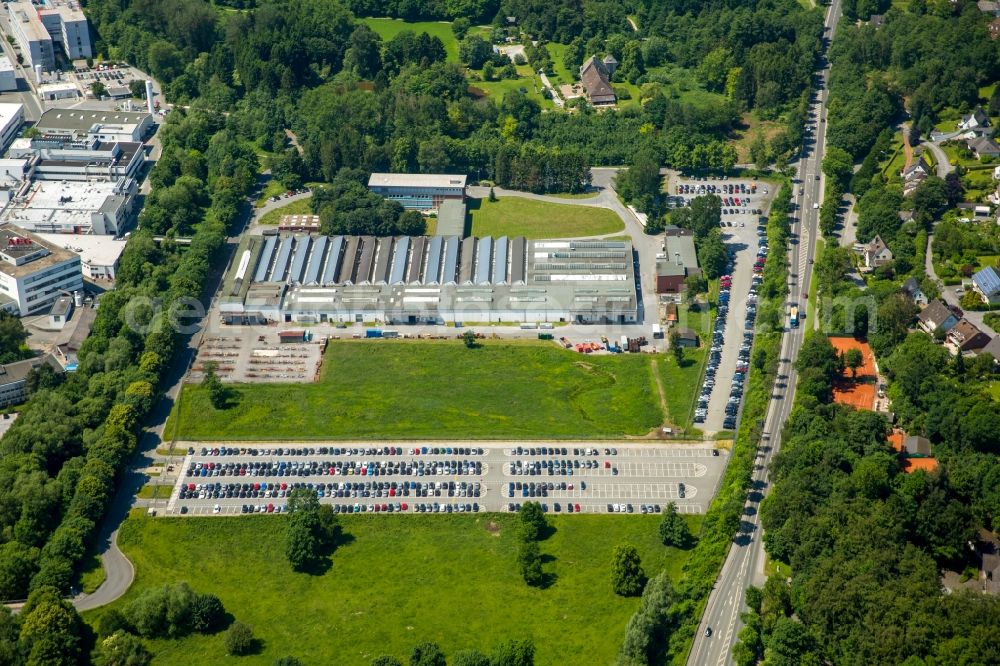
(744, 564)
(629, 473)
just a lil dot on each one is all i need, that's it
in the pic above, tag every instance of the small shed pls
(686, 337)
(292, 336)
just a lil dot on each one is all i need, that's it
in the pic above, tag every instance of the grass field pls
(300, 207)
(398, 581)
(388, 28)
(439, 389)
(516, 216)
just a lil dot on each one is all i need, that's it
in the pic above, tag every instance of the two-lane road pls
(744, 563)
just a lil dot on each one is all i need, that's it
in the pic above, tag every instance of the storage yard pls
(253, 358)
(446, 477)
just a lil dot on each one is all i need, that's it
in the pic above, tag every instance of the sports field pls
(397, 581)
(517, 216)
(400, 389)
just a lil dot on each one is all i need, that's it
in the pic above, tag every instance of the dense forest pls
(865, 541)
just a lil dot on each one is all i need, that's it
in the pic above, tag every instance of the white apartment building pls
(31, 35)
(33, 273)
(11, 120)
(39, 28)
(67, 26)
(8, 77)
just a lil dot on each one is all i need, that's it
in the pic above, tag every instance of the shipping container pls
(373, 333)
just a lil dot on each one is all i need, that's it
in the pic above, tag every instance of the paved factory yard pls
(258, 356)
(590, 477)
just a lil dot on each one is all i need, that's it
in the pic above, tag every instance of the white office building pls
(8, 77)
(34, 273)
(67, 207)
(11, 120)
(31, 35)
(67, 27)
(40, 26)
(99, 255)
(101, 124)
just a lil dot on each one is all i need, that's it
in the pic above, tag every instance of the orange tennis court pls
(857, 391)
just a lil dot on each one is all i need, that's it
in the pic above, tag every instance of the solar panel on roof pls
(500, 261)
(450, 260)
(398, 272)
(316, 255)
(302, 244)
(281, 263)
(264, 262)
(333, 260)
(432, 272)
(484, 252)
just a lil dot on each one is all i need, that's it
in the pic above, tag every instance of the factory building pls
(62, 158)
(100, 124)
(67, 207)
(418, 191)
(34, 273)
(428, 279)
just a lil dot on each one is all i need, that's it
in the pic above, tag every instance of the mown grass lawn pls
(441, 390)
(397, 581)
(388, 28)
(516, 216)
(299, 207)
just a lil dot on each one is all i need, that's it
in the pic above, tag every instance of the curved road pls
(745, 561)
(943, 166)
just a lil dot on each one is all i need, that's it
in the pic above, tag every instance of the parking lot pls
(744, 209)
(254, 358)
(448, 477)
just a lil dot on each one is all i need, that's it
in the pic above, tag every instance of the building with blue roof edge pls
(987, 284)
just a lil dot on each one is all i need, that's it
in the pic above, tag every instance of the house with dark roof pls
(686, 337)
(595, 75)
(983, 146)
(975, 120)
(912, 289)
(876, 20)
(936, 316)
(986, 283)
(919, 169)
(965, 337)
(874, 253)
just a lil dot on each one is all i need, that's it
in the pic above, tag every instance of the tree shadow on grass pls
(549, 578)
(322, 564)
(546, 532)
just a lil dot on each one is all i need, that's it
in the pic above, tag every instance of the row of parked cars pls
(344, 451)
(282, 468)
(560, 451)
(514, 507)
(713, 188)
(538, 489)
(397, 507)
(348, 489)
(715, 352)
(553, 467)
